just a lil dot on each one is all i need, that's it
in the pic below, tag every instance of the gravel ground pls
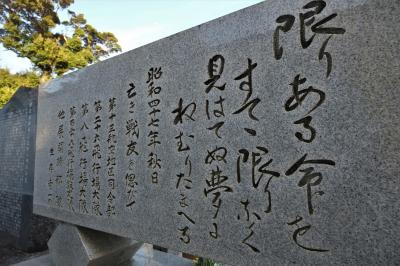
(10, 255)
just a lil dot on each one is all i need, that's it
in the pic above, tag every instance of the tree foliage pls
(9, 83)
(206, 262)
(33, 29)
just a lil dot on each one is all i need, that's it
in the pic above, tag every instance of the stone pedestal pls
(74, 245)
(145, 256)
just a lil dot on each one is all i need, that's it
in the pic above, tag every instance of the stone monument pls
(18, 225)
(270, 136)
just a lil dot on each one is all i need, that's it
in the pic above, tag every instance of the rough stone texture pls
(25, 230)
(17, 142)
(320, 214)
(17, 157)
(40, 231)
(71, 245)
(10, 212)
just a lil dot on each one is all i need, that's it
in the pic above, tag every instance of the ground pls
(10, 255)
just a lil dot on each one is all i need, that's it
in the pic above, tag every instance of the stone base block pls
(146, 256)
(74, 245)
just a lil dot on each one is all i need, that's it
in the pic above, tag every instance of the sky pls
(138, 22)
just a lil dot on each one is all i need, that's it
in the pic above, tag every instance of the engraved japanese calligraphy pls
(269, 136)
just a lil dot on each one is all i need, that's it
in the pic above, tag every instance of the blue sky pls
(138, 22)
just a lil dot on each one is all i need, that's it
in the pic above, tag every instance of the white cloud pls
(10, 60)
(137, 36)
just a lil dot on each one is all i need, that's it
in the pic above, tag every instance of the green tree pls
(33, 29)
(9, 83)
(206, 262)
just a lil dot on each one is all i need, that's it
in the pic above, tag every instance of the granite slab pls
(270, 136)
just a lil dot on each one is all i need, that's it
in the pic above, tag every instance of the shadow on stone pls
(72, 245)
